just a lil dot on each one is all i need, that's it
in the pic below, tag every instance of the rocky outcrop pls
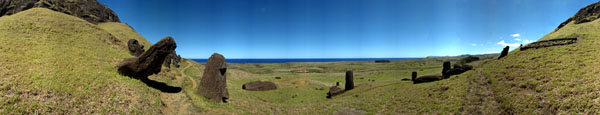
(149, 62)
(549, 43)
(349, 80)
(213, 84)
(259, 86)
(89, 10)
(504, 52)
(135, 48)
(586, 14)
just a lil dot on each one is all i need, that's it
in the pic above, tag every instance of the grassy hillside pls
(557, 79)
(53, 62)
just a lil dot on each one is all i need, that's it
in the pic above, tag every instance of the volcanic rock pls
(149, 62)
(427, 78)
(334, 91)
(213, 83)
(445, 68)
(259, 86)
(135, 48)
(504, 52)
(458, 69)
(89, 10)
(349, 80)
(586, 14)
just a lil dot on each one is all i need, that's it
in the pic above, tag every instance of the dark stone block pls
(259, 86)
(504, 52)
(349, 80)
(333, 91)
(149, 62)
(213, 83)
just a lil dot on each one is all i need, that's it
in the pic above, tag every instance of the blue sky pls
(343, 28)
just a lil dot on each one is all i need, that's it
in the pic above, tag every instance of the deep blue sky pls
(343, 28)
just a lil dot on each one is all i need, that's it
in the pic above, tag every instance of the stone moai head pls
(349, 80)
(414, 76)
(135, 48)
(213, 83)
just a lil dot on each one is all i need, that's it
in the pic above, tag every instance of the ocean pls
(302, 60)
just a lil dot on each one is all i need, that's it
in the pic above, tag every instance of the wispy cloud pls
(527, 41)
(515, 35)
(517, 39)
(473, 44)
(508, 44)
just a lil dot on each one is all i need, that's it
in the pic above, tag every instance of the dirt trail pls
(179, 103)
(480, 98)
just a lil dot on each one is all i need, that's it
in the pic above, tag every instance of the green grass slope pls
(550, 80)
(56, 63)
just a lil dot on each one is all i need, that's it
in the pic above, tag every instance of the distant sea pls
(302, 60)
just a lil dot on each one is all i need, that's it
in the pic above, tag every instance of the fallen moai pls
(213, 84)
(548, 43)
(333, 91)
(259, 86)
(149, 62)
(425, 78)
(457, 69)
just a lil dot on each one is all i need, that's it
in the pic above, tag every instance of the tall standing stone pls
(414, 76)
(445, 68)
(504, 52)
(349, 80)
(213, 83)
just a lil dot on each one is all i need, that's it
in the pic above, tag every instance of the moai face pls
(135, 48)
(214, 82)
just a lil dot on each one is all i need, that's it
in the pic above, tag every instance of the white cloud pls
(515, 35)
(508, 44)
(473, 44)
(527, 41)
(517, 39)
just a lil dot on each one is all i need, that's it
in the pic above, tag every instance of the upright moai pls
(213, 82)
(504, 52)
(414, 76)
(349, 80)
(445, 68)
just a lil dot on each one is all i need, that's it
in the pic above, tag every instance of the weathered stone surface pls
(586, 14)
(427, 78)
(259, 86)
(549, 43)
(89, 10)
(135, 48)
(333, 91)
(174, 59)
(458, 69)
(149, 62)
(445, 68)
(504, 52)
(414, 76)
(213, 83)
(349, 80)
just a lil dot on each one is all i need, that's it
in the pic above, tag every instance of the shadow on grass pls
(163, 87)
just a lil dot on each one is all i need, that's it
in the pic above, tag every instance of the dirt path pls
(189, 78)
(480, 98)
(179, 103)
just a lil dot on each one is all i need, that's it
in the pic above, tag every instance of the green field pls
(56, 63)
